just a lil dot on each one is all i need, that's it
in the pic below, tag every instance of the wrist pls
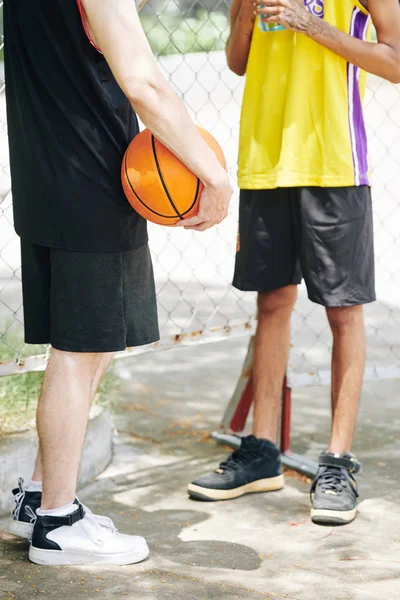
(216, 179)
(314, 26)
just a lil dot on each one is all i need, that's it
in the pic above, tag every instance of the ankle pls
(34, 486)
(265, 435)
(61, 511)
(339, 449)
(56, 501)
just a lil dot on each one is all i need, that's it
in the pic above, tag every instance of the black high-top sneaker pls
(78, 539)
(334, 491)
(254, 467)
(24, 512)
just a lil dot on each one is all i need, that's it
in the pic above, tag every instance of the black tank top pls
(69, 125)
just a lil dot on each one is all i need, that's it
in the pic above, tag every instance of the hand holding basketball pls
(214, 204)
(162, 189)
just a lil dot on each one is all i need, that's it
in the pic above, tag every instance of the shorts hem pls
(263, 289)
(103, 350)
(330, 303)
(41, 342)
(95, 349)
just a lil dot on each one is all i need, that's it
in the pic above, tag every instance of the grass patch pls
(19, 393)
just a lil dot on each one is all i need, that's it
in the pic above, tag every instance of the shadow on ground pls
(259, 546)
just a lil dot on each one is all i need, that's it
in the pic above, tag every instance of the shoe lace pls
(333, 480)
(101, 520)
(239, 457)
(18, 498)
(33, 518)
(94, 528)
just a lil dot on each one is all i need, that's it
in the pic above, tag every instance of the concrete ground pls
(260, 546)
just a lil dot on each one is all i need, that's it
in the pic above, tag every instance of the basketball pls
(157, 184)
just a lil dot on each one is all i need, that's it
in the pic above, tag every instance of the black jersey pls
(69, 125)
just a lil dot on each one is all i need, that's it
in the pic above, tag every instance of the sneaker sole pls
(272, 484)
(20, 529)
(333, 517)
(70, 557)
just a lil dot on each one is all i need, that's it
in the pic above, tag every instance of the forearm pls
(163, 113)
(379, 59)
(127, 51)
(238, 45)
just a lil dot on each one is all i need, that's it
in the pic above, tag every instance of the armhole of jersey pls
(84, 24)
(358, 4)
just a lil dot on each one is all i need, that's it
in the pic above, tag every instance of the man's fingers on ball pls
(193, 226)
(204, 226)
(190, 222)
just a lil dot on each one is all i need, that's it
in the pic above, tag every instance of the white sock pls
(34, 486)
(67, 509)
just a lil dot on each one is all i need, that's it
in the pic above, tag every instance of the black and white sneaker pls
(23, 515)
(78, 539)
(24, 512)
(334, 491)
(254, 467)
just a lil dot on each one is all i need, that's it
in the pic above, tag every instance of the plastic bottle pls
(265, 27)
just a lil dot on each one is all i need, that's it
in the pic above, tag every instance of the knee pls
(82, 361)
(278, 301)
(345, 317)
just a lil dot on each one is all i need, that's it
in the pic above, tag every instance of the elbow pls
(395, 75)
(238, 70)
(140, 89)
(394, 72)
(235, 66)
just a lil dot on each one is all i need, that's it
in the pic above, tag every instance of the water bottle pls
(269, 26)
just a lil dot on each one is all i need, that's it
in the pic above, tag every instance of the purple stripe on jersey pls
(358, 135)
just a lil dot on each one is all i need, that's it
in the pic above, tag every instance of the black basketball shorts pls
(322, 234)
(88, 301)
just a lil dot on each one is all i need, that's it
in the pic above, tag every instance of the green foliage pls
(19, 393)
(173, 34)
(18, 401)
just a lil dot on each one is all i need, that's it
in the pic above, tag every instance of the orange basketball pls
(157, 184)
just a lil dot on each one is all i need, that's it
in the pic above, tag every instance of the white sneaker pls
(79, 539)
(23, 515)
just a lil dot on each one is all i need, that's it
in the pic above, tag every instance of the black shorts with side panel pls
(322, 234)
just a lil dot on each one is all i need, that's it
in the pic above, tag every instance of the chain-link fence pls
(194, 271)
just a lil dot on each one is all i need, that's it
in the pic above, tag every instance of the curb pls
(18, 453)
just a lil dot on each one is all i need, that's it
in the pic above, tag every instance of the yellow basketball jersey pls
(302, 122)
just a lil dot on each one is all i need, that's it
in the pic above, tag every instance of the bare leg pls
(102, 367)
(271, 356)
(38, 472)
(348, 364)
(68, 389)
